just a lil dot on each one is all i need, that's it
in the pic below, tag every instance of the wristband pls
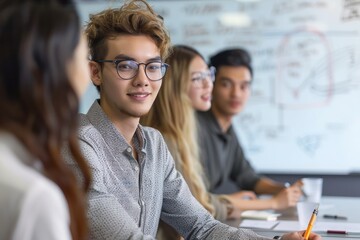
(277, 237)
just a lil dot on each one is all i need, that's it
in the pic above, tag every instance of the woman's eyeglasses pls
(199, 79)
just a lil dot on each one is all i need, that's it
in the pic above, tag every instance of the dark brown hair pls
(37, 101)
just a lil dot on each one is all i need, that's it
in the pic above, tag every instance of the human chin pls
(144, 109)
(202, 106)
(138, 112)
(235, 110)
(207, 106)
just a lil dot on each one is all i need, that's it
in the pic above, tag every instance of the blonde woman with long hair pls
(187, 86)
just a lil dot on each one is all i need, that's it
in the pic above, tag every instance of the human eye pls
(196, 77)
(226, 83)
(208, 74)
(245, 86)
(125, 66)
(154, 66)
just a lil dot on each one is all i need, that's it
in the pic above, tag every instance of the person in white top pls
(43, 71)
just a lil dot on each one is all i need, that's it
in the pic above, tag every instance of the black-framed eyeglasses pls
(128, 69)
(200, 78)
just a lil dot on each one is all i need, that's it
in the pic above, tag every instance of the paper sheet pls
(263, 224)
(287, 226)
(319, 226)
(343, 226)
(259, 215)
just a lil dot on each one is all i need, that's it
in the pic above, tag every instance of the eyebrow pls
(232, 80)
(126, 57)
(226, 79)
(206, 71)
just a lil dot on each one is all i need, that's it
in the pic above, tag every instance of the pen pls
(342, 232)
(335, 217)
(311, 223)
(336, 232)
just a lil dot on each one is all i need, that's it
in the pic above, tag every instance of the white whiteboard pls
(304, 112)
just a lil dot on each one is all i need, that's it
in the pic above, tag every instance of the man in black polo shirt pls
(221, 153)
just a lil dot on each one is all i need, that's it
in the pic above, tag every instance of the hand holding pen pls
(307, 235)
(301, 235)
(311, 223)
(298, 236)
(287, 197)
(300, 185)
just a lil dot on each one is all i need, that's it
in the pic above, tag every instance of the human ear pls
(95, 73)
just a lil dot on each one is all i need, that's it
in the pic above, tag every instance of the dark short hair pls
(236, 57)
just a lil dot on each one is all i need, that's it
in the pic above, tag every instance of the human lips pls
(139, 95)
(235, 104)
(206, 97)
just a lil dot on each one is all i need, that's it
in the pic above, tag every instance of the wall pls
(303, 115)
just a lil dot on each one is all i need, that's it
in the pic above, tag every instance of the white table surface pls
(342, 206)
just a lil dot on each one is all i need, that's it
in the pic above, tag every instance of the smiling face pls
(199, 89)
(231, 90)
(127, 98)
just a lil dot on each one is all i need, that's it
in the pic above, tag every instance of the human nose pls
(236, 91)
(207, 82)
(141, 78)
